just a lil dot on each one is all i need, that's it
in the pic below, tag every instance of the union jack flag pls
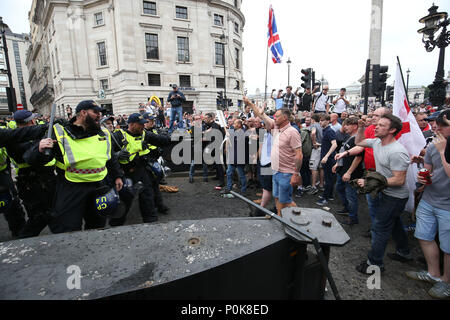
(274, 38)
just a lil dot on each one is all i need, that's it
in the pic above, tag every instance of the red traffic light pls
(306, 72)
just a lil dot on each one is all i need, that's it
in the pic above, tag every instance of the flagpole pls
(403, 79)
(267, 66)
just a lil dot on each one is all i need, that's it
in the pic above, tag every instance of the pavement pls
(200, 201)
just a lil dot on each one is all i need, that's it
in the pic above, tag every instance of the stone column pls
(376, 30)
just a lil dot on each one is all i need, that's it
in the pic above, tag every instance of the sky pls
(330, 36)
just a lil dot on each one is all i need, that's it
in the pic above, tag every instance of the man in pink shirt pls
(286, 155)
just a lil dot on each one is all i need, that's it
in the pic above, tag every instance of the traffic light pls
(379, 78)
(389, 93)
(220, 98)
(307, 78)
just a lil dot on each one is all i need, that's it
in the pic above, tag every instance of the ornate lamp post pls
(434, 21)
(407, 80)
(289, 71)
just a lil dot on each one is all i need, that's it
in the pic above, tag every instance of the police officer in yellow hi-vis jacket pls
(135, 146)
(84, 157)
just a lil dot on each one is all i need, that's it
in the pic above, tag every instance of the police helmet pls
(156, 170)
(106, 201)
(128, 191)
(5, 199)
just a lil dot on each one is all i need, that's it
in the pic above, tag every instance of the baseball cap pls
(433, 116)
(174, 86)
(86, 105)
(24, 116)
(149, 116)
(136, 118)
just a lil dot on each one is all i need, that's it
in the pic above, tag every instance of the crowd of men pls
(90, 168)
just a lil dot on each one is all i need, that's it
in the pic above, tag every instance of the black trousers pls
(14, 215)
(37, 192)
(73, 203)
(146, 197)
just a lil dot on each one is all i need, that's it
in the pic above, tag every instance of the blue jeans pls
(387, 222)
(176, 111)
(348, 196)
(192, 170)
(373, 206)
(328, 177)
(230, 172)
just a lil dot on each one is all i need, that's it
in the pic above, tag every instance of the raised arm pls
(258, 113)
(360, 139)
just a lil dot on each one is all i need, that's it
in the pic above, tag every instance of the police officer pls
(133, 149)
(14, 213)
(84, 158)
(152, 157)
(35, 181)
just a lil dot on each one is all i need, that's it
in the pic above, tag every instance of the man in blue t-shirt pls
(327, 155)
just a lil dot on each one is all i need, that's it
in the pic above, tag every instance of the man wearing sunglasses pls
(321, 104)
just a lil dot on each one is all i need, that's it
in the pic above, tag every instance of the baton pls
(47, 151)
(113, 137)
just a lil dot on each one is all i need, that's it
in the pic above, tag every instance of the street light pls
(289, 71)
(10, 92)
(433, 22)
(407, 81)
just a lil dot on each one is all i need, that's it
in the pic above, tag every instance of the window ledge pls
(153, 60)
(182, 62)
(150, 15)
(103, 67)
(100, 25)
(181, 19)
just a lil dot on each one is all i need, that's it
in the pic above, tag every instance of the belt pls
(85, 171)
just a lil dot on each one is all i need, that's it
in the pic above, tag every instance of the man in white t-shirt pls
(321, 104)
(341, 102)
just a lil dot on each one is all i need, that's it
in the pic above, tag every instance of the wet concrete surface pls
(200, 201)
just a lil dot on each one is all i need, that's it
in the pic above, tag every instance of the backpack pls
(306, 142)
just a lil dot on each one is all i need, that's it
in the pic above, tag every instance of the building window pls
(236, 2)
(238, 63)
(2, 89)
(102, 61)
(3, 78)
(150, 8)
(220, 51)
(218, 20)
(181, 12)
(236, 27)
(98, 19)
(238, 85)
(104, 84)
(57, 59)
(185, 81)
(151, 44)
(220, 83)
(183, 49)
(154, 80)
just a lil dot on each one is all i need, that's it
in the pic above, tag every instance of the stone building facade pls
(122, 52)
(17, 45)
